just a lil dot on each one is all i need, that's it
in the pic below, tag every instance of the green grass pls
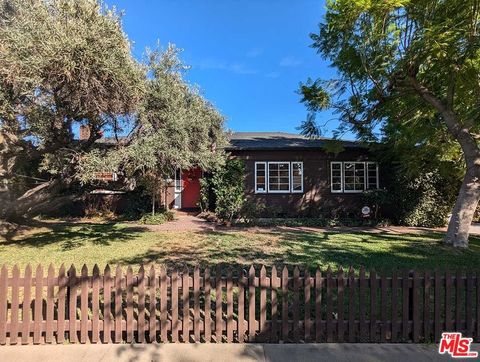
(92, 243)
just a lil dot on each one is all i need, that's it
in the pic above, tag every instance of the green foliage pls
(158, 218)
(228, 184)
(176, 129)
(376, 200)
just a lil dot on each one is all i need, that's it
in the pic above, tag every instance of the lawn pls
(92, 243)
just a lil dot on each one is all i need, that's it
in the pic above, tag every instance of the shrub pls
(157, 219)
(376, 200)
(228, 187)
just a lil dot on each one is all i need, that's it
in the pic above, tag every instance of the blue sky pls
(247, 56)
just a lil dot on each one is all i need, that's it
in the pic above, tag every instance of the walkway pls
(225, 352)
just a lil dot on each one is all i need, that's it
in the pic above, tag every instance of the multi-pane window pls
(260, 177)
(278, 177)
(336, 177)
(372, 176)
(352, 176)
(297, 176)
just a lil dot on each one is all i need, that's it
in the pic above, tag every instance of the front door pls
(191, 188)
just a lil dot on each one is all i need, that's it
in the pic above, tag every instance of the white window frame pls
(377, 175)
(264, 191)
(364, 177)
(341, 177)
(289, 177)
(301, 177)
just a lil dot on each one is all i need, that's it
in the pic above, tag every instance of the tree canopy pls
(410, 69)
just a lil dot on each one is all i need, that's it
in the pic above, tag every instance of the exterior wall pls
(316, 198)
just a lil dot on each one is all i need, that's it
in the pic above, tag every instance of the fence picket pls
(229, 306)
(196, 304)
(340, 315)
(152, 306)
(72, 305)
(318, 305)
(251, 305)
(107, 305)
(448, 300)
(405, 305)
(415, 307)
(129, 285)
(83, 304)
(186, 306)
(241, 306)
(285, 304)
(27, 284)
(373, 305)
(426, 305)
(458, 300)
(163, 304)
(15, 305)
(218, 305)
(352, 330)
(263, 302)
(329, 315)
(296, 304)
(436, 307)
(274, 295)
(174, 296)
(208, 305)
(3, 304)
(141, 304)
(362, 305)
(118, 304)
(394, 318)
(383, 307)
(95, 304)
(306, 293)
(38, 311)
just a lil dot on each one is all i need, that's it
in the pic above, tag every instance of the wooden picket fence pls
(226, 305)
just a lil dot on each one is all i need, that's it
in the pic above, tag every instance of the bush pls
(228, 187)
(377, 200)
(157, 219)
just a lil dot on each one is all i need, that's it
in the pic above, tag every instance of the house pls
(286, 175)
(291, 175)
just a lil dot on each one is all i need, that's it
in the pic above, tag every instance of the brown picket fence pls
(235, 305)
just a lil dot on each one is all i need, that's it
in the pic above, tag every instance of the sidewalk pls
(225, 352)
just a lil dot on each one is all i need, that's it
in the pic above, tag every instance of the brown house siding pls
(316, 199)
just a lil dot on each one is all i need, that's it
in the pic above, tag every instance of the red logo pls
(456, 346)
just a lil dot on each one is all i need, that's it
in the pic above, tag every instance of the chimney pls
(84, 132)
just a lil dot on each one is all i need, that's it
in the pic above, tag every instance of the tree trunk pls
(464, 209)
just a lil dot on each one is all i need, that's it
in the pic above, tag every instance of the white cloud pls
(290, 61)
(234, 67)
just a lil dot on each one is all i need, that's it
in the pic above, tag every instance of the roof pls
(281, 141)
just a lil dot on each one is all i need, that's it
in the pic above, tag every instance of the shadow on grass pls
(71, 236)
(382, 251)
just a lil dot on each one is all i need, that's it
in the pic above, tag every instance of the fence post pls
(340, 315)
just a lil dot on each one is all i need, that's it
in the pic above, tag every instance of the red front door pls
(191, 188)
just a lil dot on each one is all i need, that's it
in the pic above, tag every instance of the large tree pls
(62, 63)
(176, 128)
(412, 66)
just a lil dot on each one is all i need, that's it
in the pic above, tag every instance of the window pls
(278, 177)
(260, 177)
(351, 177)
(336, 177)
(372, 176)
(297, 177)
(354, 176)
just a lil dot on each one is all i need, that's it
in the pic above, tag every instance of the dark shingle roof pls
(280, 141)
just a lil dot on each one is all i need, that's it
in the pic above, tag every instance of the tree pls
(62, 63)
(408, 66)
(176, 128)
